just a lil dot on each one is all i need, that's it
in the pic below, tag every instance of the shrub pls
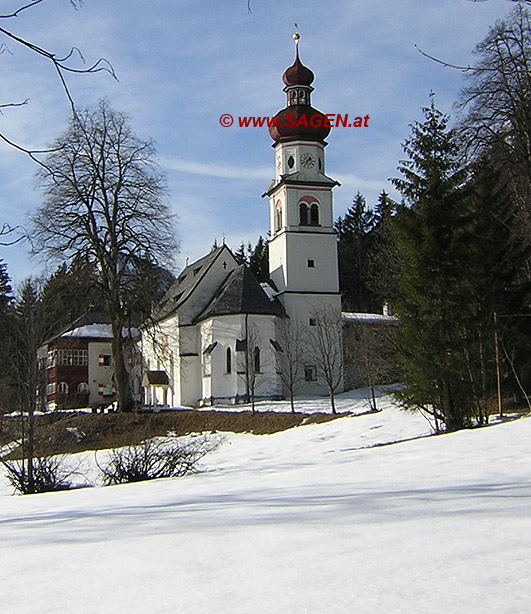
(157, 458)
(50, 473)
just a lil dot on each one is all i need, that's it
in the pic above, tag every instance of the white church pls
(216, 337)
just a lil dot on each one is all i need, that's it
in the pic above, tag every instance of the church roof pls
(183, 287)
(241, 293)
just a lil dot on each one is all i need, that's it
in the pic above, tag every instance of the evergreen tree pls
(354, 232)
(430, 263)
(259, 260)
(240, 255)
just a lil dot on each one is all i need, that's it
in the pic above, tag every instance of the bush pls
(157, 458)
(50, 473)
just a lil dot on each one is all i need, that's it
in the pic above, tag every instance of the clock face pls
(307, 160)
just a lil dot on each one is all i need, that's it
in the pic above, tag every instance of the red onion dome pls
(297, 73)
(299, 122)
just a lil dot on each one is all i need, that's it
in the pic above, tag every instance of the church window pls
(196, 271)
(311, 263)
(229, 360)
(278, 216)
(303, 214)
(320, 164)
(257, 359)
(302, 97)
(291, 161)
(314, 215)
(310, 373)
(308, 212)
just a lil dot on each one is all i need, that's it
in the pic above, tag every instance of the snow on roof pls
(368, 318)
(271, 292)
(95, 331)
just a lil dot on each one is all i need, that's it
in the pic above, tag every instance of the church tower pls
(303, 243)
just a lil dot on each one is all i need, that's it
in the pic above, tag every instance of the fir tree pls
(259, 260)
(354, 232)
(430, 267)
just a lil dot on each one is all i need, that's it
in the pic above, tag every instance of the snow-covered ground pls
(309, 520)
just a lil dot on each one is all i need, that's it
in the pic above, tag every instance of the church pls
(219, 336)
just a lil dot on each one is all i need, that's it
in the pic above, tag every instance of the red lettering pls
(316, 121)
(244, 121)
(303, 121)
(357, 122)
(329, 120)
(366, 123)
(290, 120)
(341, 119)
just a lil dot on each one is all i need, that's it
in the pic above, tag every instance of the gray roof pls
(184, 285)
(241, 293)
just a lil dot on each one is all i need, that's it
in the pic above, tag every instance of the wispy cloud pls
(215, 170)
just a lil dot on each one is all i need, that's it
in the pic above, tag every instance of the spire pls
(297, 73)
(298, 119)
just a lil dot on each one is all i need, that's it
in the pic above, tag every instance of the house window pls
(310, 373)
(105, 360)
(257, 359)
(52, 356)
(64, 358)
(311, 263)
(83, 388)
(229, 360)
(312, 322)
(80, 358)
(50, 388)
(62, 388)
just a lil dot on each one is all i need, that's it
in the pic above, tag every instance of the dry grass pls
(100, 431)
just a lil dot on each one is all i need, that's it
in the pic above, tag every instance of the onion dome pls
(297, 73)
(298, 120)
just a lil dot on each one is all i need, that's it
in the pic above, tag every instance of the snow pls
(368, 318)
(94, 331)
(314, 519)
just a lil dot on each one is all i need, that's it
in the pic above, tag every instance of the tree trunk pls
(124, 394)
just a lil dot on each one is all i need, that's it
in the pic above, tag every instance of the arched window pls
(229, 360)
(308, 211)
(314, 215)
(62, 387)
(278, 216)
(82, 387)
(303, 214)
(257, 359)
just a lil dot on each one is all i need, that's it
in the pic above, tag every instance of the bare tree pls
(105, 200)
(251, 361)
(291, 357)
(326, 342)
(63, 64)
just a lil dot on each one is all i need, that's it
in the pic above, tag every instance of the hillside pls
(309, 519)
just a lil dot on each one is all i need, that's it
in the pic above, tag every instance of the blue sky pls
(183, 63)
